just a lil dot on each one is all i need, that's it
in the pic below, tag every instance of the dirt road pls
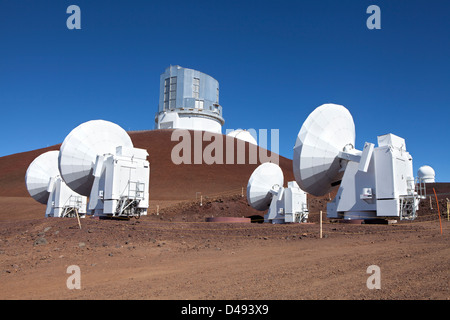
(149, 259)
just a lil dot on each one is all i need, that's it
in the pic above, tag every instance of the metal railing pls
(74, 203)
(130, 199)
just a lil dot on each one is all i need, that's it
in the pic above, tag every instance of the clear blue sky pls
(275, 61)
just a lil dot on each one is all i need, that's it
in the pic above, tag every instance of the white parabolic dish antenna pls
(79, 151)
(39, 173)
(328, 130)
(266, 178)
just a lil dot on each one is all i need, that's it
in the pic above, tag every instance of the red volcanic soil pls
(169, 183)
(13, 169)
(177, 186)
(172, 253)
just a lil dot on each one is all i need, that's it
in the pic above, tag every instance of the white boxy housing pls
(385, 189)
(97, 159)
(375, 182)
(63, 201)
(121, 183)
(46, 186)
(265, 191)
(288, 205)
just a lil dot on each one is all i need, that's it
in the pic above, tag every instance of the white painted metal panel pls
(388, 208)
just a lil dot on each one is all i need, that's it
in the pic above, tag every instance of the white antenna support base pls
(366, 157)
(354, 155)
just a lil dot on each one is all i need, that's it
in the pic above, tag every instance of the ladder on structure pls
(410, 202)
(74, 203)
(128, 203)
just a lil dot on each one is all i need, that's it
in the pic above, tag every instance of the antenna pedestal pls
(62, 201)
(376, 185)
(288, 206)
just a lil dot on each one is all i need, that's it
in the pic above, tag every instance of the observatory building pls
(188, 99)
(244, 135)
(426, 174)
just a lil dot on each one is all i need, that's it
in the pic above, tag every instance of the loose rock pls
(40, 241)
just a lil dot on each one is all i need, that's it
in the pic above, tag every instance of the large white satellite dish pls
(266, 178)
(79, 151)
(39, 173)
(98, 159)
(327, 131)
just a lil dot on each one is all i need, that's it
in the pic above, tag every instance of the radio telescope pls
(374, 182)
(45, 185)
(265, 191)
(97, 159)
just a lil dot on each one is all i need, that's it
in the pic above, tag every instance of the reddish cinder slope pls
(168, 182)
(13, 169)
(171, 183)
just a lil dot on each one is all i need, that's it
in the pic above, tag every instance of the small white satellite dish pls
(327, 131)
(46, 186)
(267, 178)
(265, 191)
(79, 151)
(39, 173)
